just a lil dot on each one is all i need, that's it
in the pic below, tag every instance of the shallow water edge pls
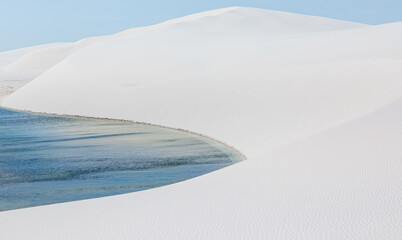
(213, 140)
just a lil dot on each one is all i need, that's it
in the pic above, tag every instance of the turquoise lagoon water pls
(52, 159)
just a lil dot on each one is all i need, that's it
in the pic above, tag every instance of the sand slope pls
(12, 79)
(313, 103)
(26, 64)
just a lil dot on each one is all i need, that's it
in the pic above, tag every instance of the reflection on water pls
(50, 159)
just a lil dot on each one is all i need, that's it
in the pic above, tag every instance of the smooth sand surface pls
(16, 71)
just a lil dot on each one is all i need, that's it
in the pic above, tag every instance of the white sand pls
(315, 104)
(15, 71)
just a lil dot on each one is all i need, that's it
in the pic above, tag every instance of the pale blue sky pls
(31, 22)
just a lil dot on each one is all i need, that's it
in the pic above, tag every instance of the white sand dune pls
(41, 58)
(314, 103)
(13, 76)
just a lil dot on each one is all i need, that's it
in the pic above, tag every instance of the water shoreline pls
(238, 152)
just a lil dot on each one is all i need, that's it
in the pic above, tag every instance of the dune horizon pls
(313, 103)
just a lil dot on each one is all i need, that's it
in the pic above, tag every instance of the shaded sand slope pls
(314, 104)
(10, 81)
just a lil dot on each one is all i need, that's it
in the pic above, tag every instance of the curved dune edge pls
(233, 149)
(334, 175)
